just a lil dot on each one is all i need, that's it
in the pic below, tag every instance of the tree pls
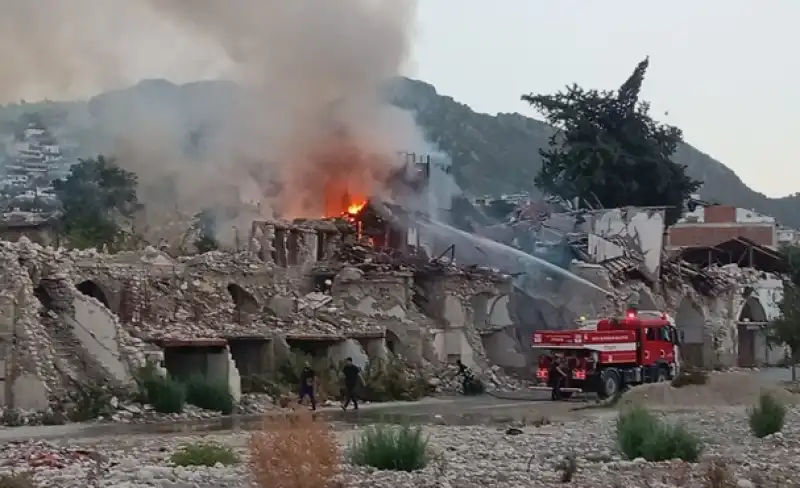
(95, 196)
(785, 330)
(608, 150)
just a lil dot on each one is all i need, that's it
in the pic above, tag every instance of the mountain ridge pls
(439, 115)
(491, 154)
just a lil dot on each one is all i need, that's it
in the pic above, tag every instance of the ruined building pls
(74, 316)
(385, 280)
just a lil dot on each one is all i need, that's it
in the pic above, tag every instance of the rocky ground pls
(464, 457)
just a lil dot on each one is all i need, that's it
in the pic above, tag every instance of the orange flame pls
(355, 208)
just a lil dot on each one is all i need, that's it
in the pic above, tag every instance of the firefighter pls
(559, 376)
(466, 376)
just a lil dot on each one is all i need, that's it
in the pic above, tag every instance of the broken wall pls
(615, 231)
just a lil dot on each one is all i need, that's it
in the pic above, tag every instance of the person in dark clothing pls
(307, 379)
(466, 376)
(558, 378)
(351, 374)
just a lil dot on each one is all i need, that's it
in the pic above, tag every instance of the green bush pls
(209, 395)
(767, 417)
(640, 434)
(389, 447)
(166, 395)
(91, 401)
(204, 454)
(288, 375)
(391, 380)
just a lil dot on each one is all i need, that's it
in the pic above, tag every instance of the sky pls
(724, 71)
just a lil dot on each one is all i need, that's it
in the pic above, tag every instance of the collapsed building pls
(70, 317)
(382, 280)
(722, 297)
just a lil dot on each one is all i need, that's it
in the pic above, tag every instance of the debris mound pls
(722, 389)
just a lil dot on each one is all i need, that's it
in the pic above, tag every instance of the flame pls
(355, 208)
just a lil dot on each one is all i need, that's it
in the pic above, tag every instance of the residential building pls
(715, 224)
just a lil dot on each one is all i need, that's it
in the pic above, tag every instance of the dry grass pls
(717, 475)
(295, 451)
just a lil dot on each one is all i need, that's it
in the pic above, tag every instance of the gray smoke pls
(305, 112)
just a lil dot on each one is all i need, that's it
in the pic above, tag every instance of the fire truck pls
(607, 355)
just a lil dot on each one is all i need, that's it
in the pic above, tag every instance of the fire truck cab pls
(607, 355)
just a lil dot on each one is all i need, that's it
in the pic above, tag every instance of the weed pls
(692, 377)
(204, 454)
(19, 480)
(391, 380)
(389, 447)
(90, 402)
(642, 434)
(568, 467)
(166, 395)
(12, 417)
(209, 395)
(54, 417)
(717, 475)
(767, 417)
(294, 451)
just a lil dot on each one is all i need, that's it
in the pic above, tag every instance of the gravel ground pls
(473, 456)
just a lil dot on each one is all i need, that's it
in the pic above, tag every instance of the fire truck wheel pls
(610, 383)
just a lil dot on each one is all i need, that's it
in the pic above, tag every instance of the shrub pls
(767, 417)
(289, 370)
(166, 395)
(19, 480)
(204, 454)
(390, 447)
(474, 386)
(640, 434)
(90, 402)
(693, 377)
(294, 451)
(391, 380)
(209, 395)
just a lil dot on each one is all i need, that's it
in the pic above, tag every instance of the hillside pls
(491, 154)
(494, 154)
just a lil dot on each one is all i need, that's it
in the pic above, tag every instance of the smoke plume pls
(302, 133)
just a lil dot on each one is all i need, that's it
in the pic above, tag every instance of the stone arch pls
(245, 303)
(752, 311)
(91, 289)
(751, 316)
(690, 321)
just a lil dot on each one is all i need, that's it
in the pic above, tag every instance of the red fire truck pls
(605, 356)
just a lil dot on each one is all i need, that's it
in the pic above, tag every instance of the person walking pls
(308, 378)
(559, 376)
(352, 374)
(466, 376)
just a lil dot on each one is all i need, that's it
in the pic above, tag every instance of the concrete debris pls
(338, 288)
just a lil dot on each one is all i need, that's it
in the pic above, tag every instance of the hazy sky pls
(724, 70)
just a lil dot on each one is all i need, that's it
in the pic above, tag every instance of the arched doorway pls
(92, 289)
(752, 318)
(690, 322)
